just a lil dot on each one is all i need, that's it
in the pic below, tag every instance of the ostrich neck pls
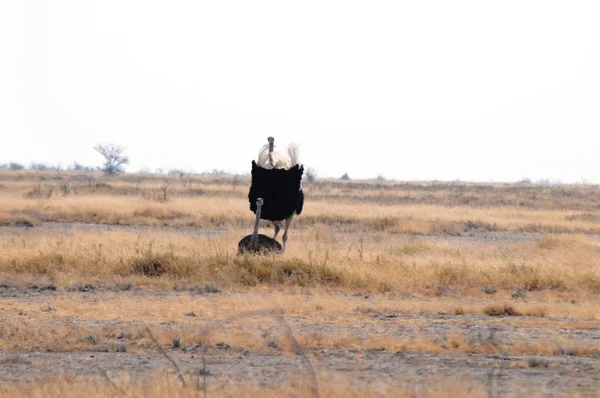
(271, 145)
(254, 239)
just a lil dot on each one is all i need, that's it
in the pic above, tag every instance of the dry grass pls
(374, 254)
(205, 201)
(320, 306)
(223, 211)
(63, 324)
(317, 257)
(112, 322)
(163, 386)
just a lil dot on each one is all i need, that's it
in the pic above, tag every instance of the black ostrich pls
(278, 181)
(258, 243)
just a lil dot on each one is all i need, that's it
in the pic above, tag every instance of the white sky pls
(413, 90)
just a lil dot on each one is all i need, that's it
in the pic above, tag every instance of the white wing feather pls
(280, 161)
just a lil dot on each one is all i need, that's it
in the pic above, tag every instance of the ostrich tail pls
(294, 154)
(280, 160)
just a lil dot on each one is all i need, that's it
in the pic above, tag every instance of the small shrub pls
(211, 289)
(477, 225)
(383, 223)
(535, 362)
(311, 175)
(497, 310)
(459, 311)
(488, 289)
(121, 347)
(548, 242)
(39, 192)
(539, 312)
(38, 166)
(208, 288)
(15, 166)
(153, 264)
(451, 275)
(90, 339)
(251, 271)
(82, 287)
(18, 220)
(588, 217)
(519, 293)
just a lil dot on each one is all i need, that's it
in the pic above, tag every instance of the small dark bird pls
(258, 243)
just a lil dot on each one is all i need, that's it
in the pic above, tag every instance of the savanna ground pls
(130, 285)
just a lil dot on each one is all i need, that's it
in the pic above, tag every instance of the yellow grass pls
(320, 256)
(365, 207)
(378, 254)
(164, 386)
(218, 211)
(74, 323)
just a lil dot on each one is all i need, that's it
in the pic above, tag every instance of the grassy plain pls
(372, 266)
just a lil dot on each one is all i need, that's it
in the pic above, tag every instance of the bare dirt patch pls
(70, 228)
(368, 340)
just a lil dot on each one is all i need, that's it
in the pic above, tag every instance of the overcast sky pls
(411, 90)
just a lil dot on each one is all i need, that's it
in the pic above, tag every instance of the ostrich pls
(256, 242)
(277, 179)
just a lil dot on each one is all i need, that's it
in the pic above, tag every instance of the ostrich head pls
(259, 202)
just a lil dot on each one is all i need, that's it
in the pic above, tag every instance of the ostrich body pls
(278, 180)
(256, 242)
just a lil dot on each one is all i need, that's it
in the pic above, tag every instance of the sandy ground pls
(371, 369)
(505, 375)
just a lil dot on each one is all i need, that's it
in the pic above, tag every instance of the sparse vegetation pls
(382, 267)
(311, 175)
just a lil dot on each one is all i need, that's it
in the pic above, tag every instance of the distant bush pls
(15, 166)
(81, 167)
(38, 166)
(311, 175)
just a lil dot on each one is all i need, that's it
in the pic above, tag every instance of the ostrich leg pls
(277, 225)
(288, 222)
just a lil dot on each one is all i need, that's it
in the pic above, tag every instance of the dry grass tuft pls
(17, 219)
(252, 270)
(504, 310)
(154, 264)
